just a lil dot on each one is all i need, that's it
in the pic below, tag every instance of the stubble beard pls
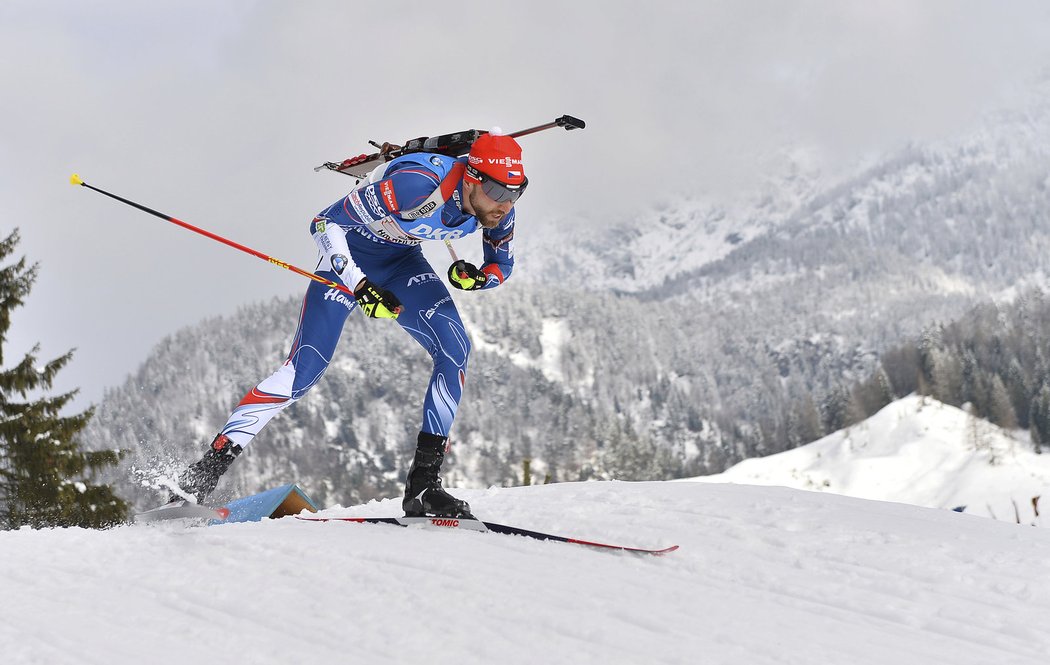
(489, 218)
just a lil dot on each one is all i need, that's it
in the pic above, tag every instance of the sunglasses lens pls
(499, 192)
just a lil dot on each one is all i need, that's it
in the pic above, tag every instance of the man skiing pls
(370, 242)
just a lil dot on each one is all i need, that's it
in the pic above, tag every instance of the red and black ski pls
(478, 525)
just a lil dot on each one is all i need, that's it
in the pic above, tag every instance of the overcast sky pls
(216, 112)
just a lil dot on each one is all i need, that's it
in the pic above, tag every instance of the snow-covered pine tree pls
(44, 474)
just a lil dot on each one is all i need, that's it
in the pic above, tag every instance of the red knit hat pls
(498, 157)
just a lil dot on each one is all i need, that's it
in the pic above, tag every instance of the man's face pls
(488, 212)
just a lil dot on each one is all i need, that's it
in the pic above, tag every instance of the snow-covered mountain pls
(675, 238)
(764, 576)
(916, 451)
(928, 201)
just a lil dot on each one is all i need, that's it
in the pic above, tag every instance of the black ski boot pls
(201, 477)
(424, 495)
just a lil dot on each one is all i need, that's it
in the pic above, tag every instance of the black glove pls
(466, 276)
(376, 302)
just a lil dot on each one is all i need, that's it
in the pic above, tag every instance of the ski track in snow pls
(764, 575)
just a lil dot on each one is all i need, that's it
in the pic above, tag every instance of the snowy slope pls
(916, 450)
(764, 575)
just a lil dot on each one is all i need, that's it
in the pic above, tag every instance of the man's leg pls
(321, 319)
(431, 318)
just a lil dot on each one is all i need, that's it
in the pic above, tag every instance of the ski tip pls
(75, 180)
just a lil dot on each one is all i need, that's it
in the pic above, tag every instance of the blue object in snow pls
(278, 502)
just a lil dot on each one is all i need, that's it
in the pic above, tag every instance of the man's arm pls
(335, 253)
(375, 301)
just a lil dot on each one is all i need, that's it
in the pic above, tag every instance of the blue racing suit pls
(376, 231)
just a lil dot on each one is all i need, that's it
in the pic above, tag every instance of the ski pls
(478, 525)
(182, 510)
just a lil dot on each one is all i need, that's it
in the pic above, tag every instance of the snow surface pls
(764, 575)
(919, 451)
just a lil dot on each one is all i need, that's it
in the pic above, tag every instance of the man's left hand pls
(376, 302)
(466, 276)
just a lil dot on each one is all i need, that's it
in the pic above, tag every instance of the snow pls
(918, 451)
(764, 575)
(554, 334)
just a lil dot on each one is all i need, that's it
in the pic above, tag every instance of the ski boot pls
(200, 479)
(424, 495)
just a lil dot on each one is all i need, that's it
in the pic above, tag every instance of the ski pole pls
(451, 250)
(76, 180)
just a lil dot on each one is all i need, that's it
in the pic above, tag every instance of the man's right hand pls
(376, 302)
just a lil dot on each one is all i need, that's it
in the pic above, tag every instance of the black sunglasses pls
(496, 190)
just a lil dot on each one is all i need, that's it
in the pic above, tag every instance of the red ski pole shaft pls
(75, 180)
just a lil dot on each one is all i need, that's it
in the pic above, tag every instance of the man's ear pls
(468, 189)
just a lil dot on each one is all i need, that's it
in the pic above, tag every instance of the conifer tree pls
(44, 474)
(1039, 417)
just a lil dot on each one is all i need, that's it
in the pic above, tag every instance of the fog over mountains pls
(665, 345)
